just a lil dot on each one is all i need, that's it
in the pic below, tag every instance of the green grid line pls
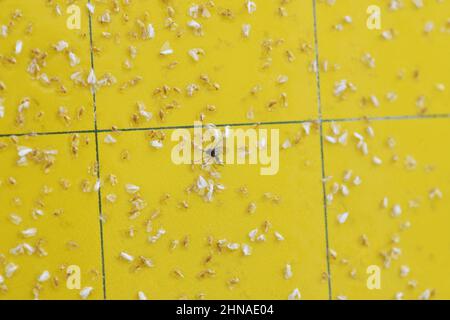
(322, 152)
(238, 124)
(97, 154)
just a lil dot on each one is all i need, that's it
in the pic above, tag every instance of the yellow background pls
(307, 169)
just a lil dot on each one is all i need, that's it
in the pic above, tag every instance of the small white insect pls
(58, 10)
(404, 271)
(30, 250)
(370, 131)
(246, 249)
(377, 161)
(374, 100)
(90, 7)
(37, 213)
(343, 138)
(286, 144)
(86, 292)
(105, 17)
(92, 79)
(4, 31)
(426, 295)
(233, 246)
(330, 198)
(158, 235)
(45, 276)
(97, 185)
(440, 87)
(132, 189)
(340, 87)
(357, 181)
(74, 60)
(109, 139)
(195, 53)
(288, 272)
(18, 250)
(358, 136)
(429, 26)
(29, 233)
(142, 296)
(16, 219)
(396, 210)
(339, 27)
(387, 35)
(251, 6)
(278, 236)
(418, 3)
(282, 79)
(435, 193)
(385, 203)
(193, 11)
(10, 269)
(201, 183)
(295, 295)
(157, 144)
(307, 128)
(127, 257)
(19, 47)
(150, 31)
(61, 46)
(391, 96)
(246, 28)
(342, 218)
(252, 234)
(399, 296)
(23, 151)
(194, 25)
(344, 190)
(24, 104)
(166, 49)
(261, 238)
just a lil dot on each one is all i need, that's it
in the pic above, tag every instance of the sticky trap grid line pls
(97, 155)
(322, 151)
(243, 124)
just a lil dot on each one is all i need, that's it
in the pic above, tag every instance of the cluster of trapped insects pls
(208, 183)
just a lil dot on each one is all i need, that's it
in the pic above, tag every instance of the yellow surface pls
(413, 65)
(410, 65)
(425, 245)
(69, 216)
(234, 62)
(298, 217)
(39, 27)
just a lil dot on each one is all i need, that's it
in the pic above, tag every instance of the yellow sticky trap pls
(44, 88)
(188, 262)
(45, 193)
(399, 69)
(397, 219)
(146, 52)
